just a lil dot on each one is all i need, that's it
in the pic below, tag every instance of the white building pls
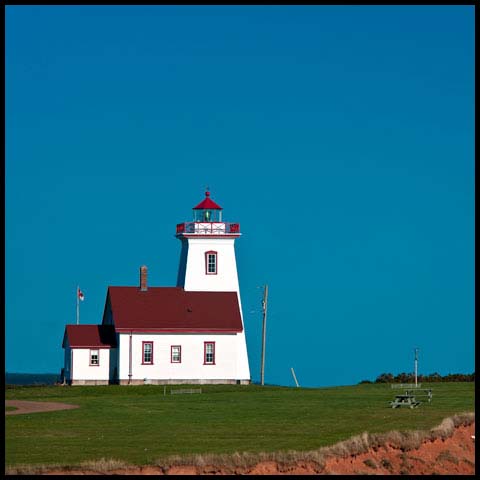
(190, 333)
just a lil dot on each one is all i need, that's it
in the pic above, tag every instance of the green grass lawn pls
(139, 425)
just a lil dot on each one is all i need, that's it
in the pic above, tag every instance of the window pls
(209, 353)
(94, 358)
(176, 354)
(211, 263)
(147, 354)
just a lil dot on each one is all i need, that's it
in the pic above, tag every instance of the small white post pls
(416, 366)
(294, 377)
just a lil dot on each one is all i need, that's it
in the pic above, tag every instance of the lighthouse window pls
(211, 263)
(209, 356)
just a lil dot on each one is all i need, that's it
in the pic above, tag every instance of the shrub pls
(447, 456)
(433, 377)
(370, 463)
(386, 463)
(384, 378)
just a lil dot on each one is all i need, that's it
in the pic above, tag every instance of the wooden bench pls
(185, 390)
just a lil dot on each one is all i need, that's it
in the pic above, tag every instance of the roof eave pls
(92, 346)
(177, 330)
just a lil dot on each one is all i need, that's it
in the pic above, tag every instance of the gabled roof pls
(207, 203)
(172, 309)
(90, 336)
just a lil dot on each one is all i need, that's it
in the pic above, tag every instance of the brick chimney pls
(143, 278)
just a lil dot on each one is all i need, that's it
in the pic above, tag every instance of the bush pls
(370, 463)
(384, 378)
(433, 377)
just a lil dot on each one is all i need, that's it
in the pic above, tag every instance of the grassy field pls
(139, 425)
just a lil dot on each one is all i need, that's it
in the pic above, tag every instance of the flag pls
(81, 296)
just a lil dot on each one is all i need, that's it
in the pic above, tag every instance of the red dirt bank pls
(454, 455)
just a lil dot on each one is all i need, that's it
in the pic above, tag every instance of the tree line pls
(433, 377)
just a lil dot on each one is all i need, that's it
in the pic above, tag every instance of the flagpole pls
(78, 306)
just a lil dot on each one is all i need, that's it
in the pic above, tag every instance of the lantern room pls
(207, 210)
(207, 220)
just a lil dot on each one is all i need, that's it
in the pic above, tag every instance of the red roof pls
(90, 336)
(173, 309)
(207, 202)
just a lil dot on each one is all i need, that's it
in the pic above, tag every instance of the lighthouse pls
(207, 259)
(192, 333)
(208, 263)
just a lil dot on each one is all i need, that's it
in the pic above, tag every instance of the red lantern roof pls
(207, 203)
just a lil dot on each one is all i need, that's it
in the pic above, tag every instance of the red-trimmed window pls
(147, 353)
(94, 358)
(209, 353)
(211, 262)
(175, 354)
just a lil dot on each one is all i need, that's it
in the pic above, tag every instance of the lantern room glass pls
(207, 215)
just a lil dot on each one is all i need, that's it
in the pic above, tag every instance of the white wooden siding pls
(192, 367)
(82, 370)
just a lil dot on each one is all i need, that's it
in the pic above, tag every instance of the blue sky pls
(341, 138)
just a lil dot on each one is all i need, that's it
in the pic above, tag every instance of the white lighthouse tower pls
(208, 264)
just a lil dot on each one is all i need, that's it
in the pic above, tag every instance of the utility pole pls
(416, 365)
(264, 331)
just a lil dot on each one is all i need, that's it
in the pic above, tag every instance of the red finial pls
(207, 203)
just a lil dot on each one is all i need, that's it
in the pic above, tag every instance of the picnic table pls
(423, 392)
(405, 400)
